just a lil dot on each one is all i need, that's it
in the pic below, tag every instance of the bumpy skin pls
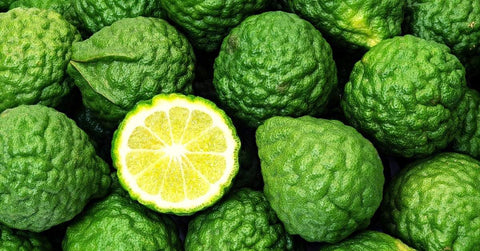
(404, 94)
(322, 178)
(206, 23)
(17, 240)
(129, 61)
(455, 23)
(64, 7)
(48, 166)
(433, 203)
(468, 140)
(242, 221)
(357, 23)
(274, 63)
(34, 53)
(119, 223)
(96, 14)
(369, 241)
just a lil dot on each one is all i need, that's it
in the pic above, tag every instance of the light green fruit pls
(357, 23)
(322, 178)
(121, 224)
(132, 60)
(432, 204)
(34, 53)
(369, 241)
(242, 221)
(96, 14)
(468, 139)
(206, 23)
(405, 95)
(18, 240)
(264, 71)
(49, 169)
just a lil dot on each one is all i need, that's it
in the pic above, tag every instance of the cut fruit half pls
(176, 154)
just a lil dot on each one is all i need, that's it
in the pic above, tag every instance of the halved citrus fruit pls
(176, 154)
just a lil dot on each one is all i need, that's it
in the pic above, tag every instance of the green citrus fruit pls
(49, 169)
(263, 71)
(322, 178)
(369, 241)
(432, 204)
(96, 14)
(358, 23)
(18, 240)
(175, 153)
(132, 60)
(468, 139)
(404, 94)
(242, 221)
(119, 223)
(206, 23)
(34, 53)
(455, 23)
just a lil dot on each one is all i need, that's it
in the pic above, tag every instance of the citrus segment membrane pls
(176, 153)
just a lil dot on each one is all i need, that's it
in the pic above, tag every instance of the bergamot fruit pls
(468, 139)
(404, 95)
(18, 240)
(356, 24)
(432, 204)
(206, 23)
(35, 47)
(96, 14)
(134, 59)
(121, 224)
(175, 153)
(242, 221)
(323, 178)
(369, 241)
(274, 64)
(49, 169)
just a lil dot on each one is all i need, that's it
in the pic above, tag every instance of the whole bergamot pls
(18, 240)
(455, 23)
(35, 47)
(49, 169)
(96, 14)
(242, 221)
(357, 23)
(119, 223)
(468, 139)
(404, 95)
(274, 64)
(432, 204)
(132, 60)
(64, 7)
(369, 241)
(206, 23)
(323, 178)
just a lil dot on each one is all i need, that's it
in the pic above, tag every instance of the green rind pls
(120, 224)
(18, 240)
(323, 178)
(49, 169)
(405, 95)
(116, 158)
(264, 71)
(455, 23)
(97, 14)
(468, 139)
(369, 241)
(206, 23)
(34, 53)
(242, 221)
(132, 60)
(354, 24)
(432, 204)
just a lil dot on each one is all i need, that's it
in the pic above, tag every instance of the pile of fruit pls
(240, 125)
